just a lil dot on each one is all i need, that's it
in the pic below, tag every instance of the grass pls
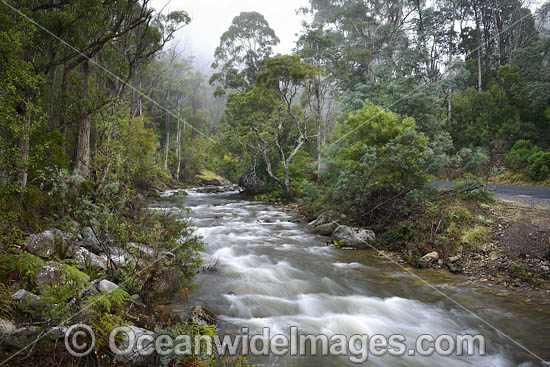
(476, 236)
(514, 178)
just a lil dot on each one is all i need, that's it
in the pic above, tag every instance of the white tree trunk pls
(178, 150)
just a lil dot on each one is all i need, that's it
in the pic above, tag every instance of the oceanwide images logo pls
(130, 340)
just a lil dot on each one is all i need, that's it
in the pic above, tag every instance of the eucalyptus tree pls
(269, 118)
(243, 49)
(319, 49)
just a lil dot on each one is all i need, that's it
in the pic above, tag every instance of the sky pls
(211, 18)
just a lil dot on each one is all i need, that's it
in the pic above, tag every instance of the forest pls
(100, 112)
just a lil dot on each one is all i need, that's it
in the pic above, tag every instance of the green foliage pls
(243, 48)
(539, 166)
(476, 237)
(472, 161)
(55, 297)
(19, 265)
(521, 272)
(473, 190)
(269, 120)
(109, 301)
(379, 157)
(525, 152)
(522, 151)
(7, 306)
(338, 243)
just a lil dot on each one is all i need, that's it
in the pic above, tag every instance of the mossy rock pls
(209, 178)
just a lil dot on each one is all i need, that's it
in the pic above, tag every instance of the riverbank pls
(511, 257)
(115, 266)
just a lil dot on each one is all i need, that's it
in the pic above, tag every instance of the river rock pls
(119, 256)
(45, 244)
(323, 218)
(141, 249)
(106, 285)
(134, 357)
(453, 259)
(208, 190)
(88, 234)
(354, 237)
(16, 337)
(23, 295)
(210, 179)
(428, 259)
(454, 268)
(325, 229)
(201, 316)
(86, 258)
(52, 273)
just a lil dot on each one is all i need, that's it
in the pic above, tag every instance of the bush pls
(472, 161)
(539, 166)
(379, 162)
(521, 152)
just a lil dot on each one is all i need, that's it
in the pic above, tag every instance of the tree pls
(243, 49)
(268, 117)
(318, 49)
(377, 160)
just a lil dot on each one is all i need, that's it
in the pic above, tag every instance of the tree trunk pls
(82, 163)
(24, 150)
(167, 143)
(82, 156)
(178, 148)
(501, 40)
(286, 186)
(318, 117)
(479, 79)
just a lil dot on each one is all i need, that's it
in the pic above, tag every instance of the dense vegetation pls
(379, 97)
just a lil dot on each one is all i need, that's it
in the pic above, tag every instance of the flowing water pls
(272, 272)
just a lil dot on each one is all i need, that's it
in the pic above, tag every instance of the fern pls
(19, 265)
(6, 302)
(110, 302)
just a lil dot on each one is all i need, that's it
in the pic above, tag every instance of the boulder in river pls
(358, 238)
(325, 229)
(207, 178)
(427, 260)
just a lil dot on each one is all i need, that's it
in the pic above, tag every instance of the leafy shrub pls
(521, 152)
(437, 155)
(380, 161)
(539, 166)
(474, 190)
(472, 161)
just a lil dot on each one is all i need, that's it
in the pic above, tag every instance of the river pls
(272, 272)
